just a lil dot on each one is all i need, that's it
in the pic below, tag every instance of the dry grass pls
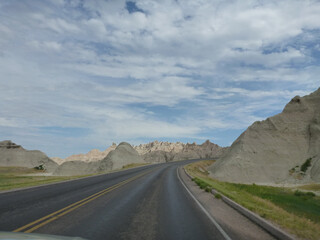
(17, 177)
(20, 177)
(133, 165)
(311, 187)
(249, 196)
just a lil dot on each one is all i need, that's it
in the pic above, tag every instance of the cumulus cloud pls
(140, 70)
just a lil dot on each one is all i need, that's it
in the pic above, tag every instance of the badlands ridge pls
(282, 149)
(275, 150)
(124, 154)
(114, 157)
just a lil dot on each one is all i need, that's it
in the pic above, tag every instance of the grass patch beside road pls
(298, 212)
(21, 177)
(132, 165)
(17, 177)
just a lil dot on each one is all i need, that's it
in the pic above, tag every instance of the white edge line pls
(225, 235)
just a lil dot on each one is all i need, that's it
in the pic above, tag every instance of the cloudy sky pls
(77, 75)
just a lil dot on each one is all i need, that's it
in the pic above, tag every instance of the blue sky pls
(77, 75)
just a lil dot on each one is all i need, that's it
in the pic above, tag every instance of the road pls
(142, 203)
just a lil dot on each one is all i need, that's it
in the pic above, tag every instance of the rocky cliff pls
(159, 146)
(122, 155)
(276, 149)
(157, 152)
(91, 156)
(12, 154)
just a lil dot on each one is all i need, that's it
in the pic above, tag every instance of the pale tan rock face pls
(92, 156)
(122, 155)
(154, 152)
(58, 160)
(159, 146)
(267, 150)
(13, 155)
(157, 152)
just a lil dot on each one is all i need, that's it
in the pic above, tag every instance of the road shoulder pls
(235, 224)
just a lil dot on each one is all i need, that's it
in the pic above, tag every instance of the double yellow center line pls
(57, 214)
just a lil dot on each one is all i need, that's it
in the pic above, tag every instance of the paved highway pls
(142, 203)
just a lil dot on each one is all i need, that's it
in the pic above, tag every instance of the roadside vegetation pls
(311, 187)
(132, 165)
(19, 177)
(296, 211)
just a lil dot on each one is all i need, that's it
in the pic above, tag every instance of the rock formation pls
(58, 160)
(73, 168)
(123, 154)
(157, 152)
(92, 156)
(12, 154)
(159, 146)
(274, 150)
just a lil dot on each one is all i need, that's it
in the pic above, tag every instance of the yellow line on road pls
(57, 214)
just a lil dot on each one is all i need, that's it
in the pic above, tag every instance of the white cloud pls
(177, 69)
(56, 24)
(50, 45)
(7, 122)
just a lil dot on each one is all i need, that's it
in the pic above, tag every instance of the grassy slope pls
(311, 187)
(133, 165)
(16, 177)
(300, 215)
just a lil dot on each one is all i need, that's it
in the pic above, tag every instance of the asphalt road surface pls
(142, 203)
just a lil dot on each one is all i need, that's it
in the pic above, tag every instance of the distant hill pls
(154, 152)
(91, 156)
(284, 148)
(159, 146)
(123, 154)
(167, 152)
(114, 157)
(12, 154)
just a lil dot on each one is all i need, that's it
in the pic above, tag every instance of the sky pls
(78, 75)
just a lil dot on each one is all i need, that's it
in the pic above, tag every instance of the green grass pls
(16, 177)
(298, 212)
(298, 203)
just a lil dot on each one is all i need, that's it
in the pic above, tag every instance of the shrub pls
(299, 193)
(208, 189)
(311, 194)
(292, 170)
(201, 184)
(40, 167)
(218, 196)
(305, 165)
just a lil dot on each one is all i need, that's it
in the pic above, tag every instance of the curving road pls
(143, 203)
